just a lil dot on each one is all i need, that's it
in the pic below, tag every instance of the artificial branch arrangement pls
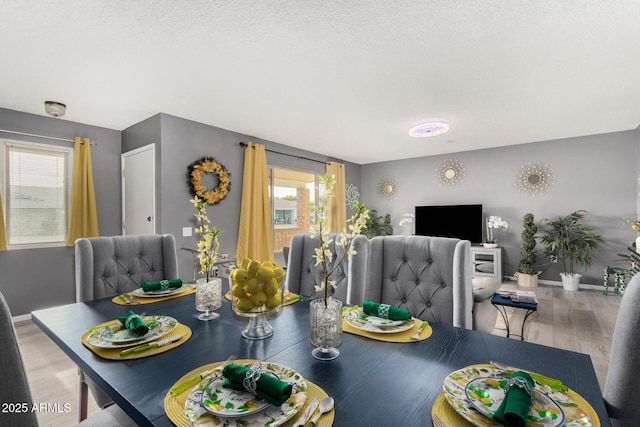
(355, 224)
(208, 246)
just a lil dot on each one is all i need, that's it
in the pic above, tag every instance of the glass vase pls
(326, 328)
(208, 297)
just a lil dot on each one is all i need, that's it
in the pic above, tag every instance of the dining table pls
(373, 383)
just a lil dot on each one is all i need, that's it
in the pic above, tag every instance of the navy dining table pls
(374, 383)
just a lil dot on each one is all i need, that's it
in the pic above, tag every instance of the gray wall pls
(36, 278)
(597, 173)
(181, 142)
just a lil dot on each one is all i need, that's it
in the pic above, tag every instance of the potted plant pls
(527, 274)
(571, 242)
(494, 222)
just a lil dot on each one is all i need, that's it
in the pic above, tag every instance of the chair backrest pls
(12, 374)
(429, 276)
(303, 275)
(622, 379)
(108, 266)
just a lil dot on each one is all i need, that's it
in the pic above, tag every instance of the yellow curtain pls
(83, 217)
(337, 206)
(255, 234)
(3, 231)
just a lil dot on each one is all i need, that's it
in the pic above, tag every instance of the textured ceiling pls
(341, 78)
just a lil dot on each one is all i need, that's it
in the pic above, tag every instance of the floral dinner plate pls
(486, 394)
(107, 336)
(455, 392)
(373, 324)
(209, 404)
(154, 294)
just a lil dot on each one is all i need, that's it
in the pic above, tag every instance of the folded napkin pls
(162, 285)
(514, 409)
(264, 386)
(134, 323)
(385, 311)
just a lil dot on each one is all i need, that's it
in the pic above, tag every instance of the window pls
(293, 194)
(36, 193)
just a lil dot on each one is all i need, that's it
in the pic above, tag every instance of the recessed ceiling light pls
(54, 108)
(429, 129)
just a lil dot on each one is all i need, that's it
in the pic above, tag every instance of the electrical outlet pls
(186, 232)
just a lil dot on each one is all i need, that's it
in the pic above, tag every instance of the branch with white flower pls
(355, 224)
(208, 246)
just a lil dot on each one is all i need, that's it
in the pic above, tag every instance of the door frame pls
(123, 156)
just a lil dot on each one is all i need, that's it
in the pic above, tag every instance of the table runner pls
(114, 353)
(191, 289)
(444, 415)
(399, 337)
(174, 405)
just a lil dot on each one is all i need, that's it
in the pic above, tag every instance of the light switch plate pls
(186, 231)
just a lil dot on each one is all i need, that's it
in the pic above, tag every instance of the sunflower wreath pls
(209, 165)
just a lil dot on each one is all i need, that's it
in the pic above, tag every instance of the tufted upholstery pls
(108, 266)
(622, 382)
(429, 276)
(14, 379)
(302, 273)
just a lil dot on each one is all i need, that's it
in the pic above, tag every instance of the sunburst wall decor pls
(534, 179)
(388, 188)
(451, 173)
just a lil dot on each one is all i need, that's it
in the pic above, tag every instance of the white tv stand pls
(486, 262)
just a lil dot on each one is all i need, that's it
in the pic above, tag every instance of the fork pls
(129, 299)
(416, 336)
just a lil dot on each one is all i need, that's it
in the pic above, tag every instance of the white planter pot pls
(570, 282)
(490, 245)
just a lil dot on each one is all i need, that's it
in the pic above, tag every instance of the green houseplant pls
(377, 225)
(527, 274)
(567, 240)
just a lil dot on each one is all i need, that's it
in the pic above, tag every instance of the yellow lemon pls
(264, 273)
(237, 291)
(273, 301)
(241, 275)
(253, 268)
(254, 285)
(271, 287)
(243, 304)
(278, 273)
(258, 299)
(269, 264)
(245, 263)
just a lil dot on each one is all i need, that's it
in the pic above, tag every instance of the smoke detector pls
(55, 109)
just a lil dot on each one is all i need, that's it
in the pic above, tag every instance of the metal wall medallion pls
(388, 188)
(352, 194)
(534, 179)
(451, 173)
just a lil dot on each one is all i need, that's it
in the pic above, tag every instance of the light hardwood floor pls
(580, 321)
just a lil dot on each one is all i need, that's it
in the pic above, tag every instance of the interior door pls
(138, 191)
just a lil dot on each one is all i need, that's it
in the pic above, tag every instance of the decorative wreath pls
(209, 165)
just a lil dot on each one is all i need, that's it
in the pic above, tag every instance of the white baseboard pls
(21, 318)
(559, 283)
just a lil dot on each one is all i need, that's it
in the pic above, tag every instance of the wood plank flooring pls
(581, 321)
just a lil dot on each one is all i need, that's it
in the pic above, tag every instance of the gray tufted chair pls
(109, 266)
(621, 387)
(429, 276)
(16, 386)
(302, 273)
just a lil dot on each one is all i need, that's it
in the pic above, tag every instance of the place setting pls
(151, 292)
(247, 392)
(384, 323)
(134, 336)
(498, 395)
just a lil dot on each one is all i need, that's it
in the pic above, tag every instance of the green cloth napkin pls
(267, 387)
(514, 409)
(380, 310)
(134, 323)
(162, 285)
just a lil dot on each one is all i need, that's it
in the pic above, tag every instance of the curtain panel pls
(83, 216)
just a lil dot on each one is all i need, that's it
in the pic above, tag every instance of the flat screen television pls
(460, 221)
